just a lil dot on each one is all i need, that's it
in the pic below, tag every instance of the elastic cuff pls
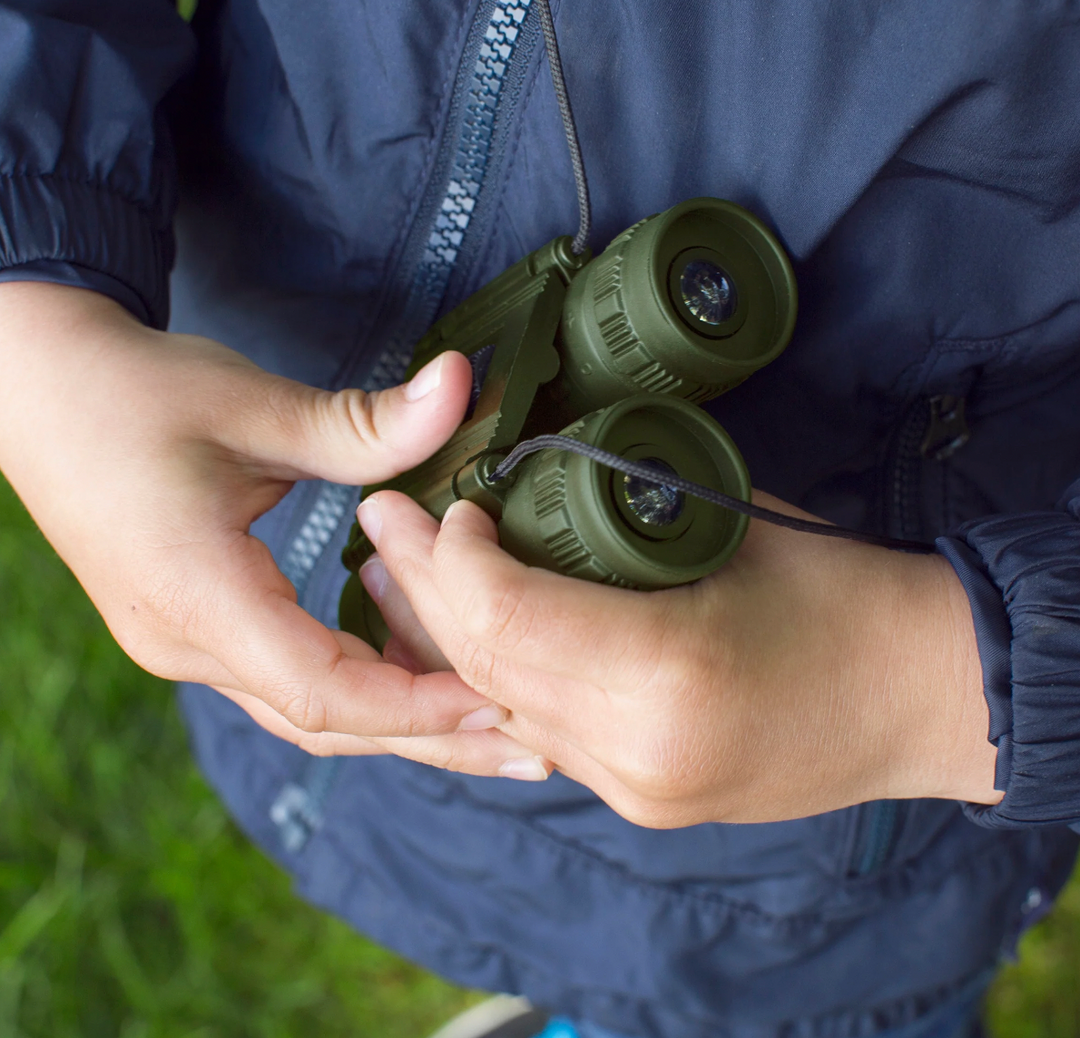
(1022, 577)
(56, 272)
(54, 218)
(994, 637)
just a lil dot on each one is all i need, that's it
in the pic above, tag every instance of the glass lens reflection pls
(709, 294)
(655, 504)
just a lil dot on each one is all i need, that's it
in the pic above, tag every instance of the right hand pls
(145, 457)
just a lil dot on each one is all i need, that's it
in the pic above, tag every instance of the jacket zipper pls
(444, 240)
(332, 503)
(904, 493)
(877, 827)
(446, 234)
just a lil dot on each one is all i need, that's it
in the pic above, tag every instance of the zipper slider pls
(947, 430)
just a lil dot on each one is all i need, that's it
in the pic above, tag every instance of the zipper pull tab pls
(947, 430)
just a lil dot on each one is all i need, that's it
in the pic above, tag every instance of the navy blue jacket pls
(343, 171)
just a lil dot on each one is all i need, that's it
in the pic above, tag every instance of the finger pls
(318, 680)
(569, 707)
(319, 744)
(408, 561)
(351, 436)
(489, 753)
(397, 654)
(412, 603)
(411, 646)
(592, 633)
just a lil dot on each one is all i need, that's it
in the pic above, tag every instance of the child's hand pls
(145, 456)
(805, 675)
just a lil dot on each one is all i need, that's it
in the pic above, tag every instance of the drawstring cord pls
(581, 239)
(656, 476)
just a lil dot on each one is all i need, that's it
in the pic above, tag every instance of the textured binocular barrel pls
(678, 309)
(688, 302)
(570, 514)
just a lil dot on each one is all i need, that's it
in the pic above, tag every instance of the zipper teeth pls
(331, 506)
(472, 156)
(906, 456)
(474, 145)
(298, 810)
(468, 170)
(880, 829)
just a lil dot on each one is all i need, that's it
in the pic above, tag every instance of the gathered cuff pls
(57, 272)
(88, 236)
(1022, 577)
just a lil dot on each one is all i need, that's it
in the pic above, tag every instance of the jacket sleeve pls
(1022, 576)
(87, 176)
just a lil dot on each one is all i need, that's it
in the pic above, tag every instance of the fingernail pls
(446, 515)
(524, 769)
(425, 381)
(370, 520)
(490, 716)
(374, 577)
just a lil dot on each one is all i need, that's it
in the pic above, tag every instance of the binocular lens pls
(568, 513)
(709, 294)
(655, 504)
(688, 303)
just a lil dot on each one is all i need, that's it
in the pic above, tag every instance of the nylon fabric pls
(1032, 711)
(920, 162)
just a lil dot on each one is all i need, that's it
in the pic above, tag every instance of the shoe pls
(505, 1016)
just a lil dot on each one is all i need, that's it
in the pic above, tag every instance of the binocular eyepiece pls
(569, 514)
(614, 352)
(689, 302)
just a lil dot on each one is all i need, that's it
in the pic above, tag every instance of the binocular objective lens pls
(709, 294)
(654, 503)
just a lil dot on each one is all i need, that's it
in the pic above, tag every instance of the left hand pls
(807, 674)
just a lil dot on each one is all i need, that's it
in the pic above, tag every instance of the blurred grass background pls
(130, 906)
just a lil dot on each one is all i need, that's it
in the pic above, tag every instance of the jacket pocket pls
(874, 836)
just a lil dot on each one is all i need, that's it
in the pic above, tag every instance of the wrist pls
(943, 743)
(54, 345)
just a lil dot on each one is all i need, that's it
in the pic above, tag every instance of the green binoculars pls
(614, 352)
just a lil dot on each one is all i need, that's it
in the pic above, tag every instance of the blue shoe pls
(506, 1017)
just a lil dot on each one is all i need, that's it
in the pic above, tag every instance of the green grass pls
(1039, 996)
(130, 906)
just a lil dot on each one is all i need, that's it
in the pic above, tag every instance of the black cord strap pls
(547, 23)
(643, 470)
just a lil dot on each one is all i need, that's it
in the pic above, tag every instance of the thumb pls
(355, 437)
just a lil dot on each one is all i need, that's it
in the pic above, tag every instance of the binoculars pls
(615, 352)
